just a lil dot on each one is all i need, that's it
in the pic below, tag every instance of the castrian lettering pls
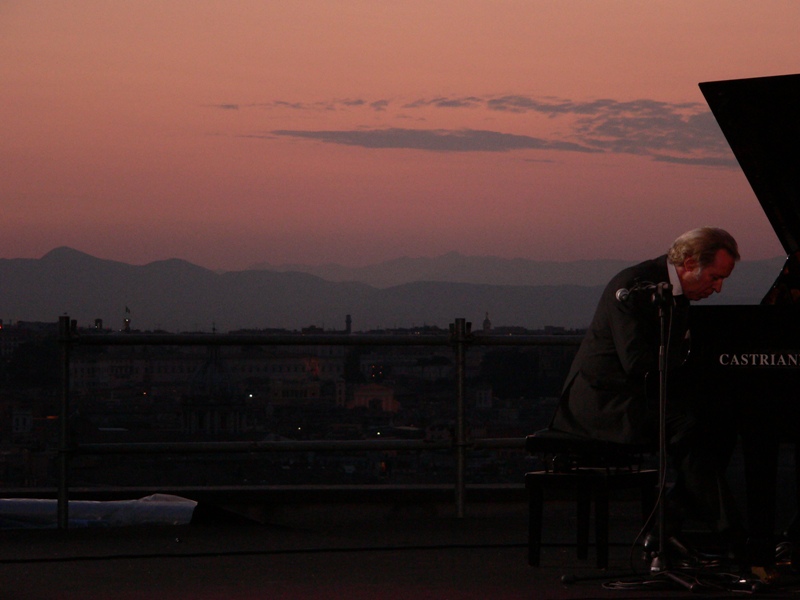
(759, 359)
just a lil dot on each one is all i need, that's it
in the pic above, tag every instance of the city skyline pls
(358, 132)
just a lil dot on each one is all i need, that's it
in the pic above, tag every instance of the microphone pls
(623, 294)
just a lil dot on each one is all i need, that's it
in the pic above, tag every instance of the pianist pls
(612, 392)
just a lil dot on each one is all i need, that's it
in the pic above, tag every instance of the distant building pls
(13, 335)
(374, 396)
(212, 406)
(483, 398)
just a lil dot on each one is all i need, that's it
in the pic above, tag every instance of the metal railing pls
(459, 338)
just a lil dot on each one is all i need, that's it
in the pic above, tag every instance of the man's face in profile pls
(700, 282)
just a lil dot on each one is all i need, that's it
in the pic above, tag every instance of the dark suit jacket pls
(611, 392)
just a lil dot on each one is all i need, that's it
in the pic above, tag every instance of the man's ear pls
(690, 264)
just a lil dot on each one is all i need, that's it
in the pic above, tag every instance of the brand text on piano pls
(760, 359)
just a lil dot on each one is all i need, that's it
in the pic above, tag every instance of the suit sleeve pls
(635, 331)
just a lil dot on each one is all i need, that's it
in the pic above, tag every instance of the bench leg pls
(535, 512)
(601, 525)
(584, 512)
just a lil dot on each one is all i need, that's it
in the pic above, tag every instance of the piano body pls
(745, 360)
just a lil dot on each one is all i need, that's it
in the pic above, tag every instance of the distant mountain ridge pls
(176, 295)
(457, 268)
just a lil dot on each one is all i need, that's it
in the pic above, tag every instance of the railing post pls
(64, 335)
(460, 333)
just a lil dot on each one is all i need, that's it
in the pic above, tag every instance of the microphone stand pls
(659, 568)
(662, 297)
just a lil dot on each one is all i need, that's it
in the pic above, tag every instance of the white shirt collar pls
(674, 280)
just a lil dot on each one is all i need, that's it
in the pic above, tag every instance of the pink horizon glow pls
(356, 132)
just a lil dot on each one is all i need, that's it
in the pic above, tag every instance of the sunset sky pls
(309, 131)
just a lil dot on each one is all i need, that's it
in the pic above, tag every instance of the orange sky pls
(314, 131)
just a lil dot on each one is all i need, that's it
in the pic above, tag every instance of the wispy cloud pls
(444, 102)
(703, 162)
(438, 140)
(338, 104)
(645, 127)
(682, 133)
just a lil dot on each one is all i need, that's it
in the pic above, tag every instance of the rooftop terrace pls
(318, 542)
(405, 549)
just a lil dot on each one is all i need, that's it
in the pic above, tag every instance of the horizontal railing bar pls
(288, 446)
(459, 338)
(260, 494)
(226, 339)
(212, 339)
(526, 340)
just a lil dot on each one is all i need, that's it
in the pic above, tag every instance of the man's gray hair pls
(702, 244)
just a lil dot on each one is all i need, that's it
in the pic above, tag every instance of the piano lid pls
(760, 118)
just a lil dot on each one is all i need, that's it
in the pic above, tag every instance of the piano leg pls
(760, 449)
(792, 532)
(700, 449)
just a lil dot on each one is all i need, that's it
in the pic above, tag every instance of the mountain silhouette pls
(176, 295)
(457, 268)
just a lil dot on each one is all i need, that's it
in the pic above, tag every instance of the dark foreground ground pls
(346, 551)
(402, 549)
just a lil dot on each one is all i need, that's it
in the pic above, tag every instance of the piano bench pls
(591, 470)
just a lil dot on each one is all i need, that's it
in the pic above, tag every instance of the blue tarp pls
(158, 509)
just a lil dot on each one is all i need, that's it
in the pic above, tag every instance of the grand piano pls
(745, 360)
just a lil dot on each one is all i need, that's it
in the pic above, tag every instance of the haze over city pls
(354, 132)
